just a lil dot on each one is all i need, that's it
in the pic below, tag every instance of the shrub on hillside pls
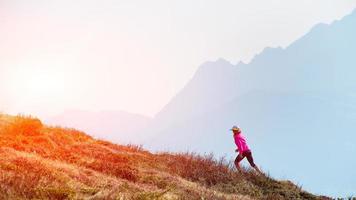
(201, 168)
(22, 125)
(96, 157)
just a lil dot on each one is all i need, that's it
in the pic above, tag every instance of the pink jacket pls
(240, 142)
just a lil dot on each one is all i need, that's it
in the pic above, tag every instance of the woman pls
(243, 149)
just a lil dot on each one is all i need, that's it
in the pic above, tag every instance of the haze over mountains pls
(296, 106)
(116, 126)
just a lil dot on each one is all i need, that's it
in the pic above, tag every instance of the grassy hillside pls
(41, 162)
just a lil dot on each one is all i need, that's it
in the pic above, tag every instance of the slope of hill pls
(297, 102)
(116, 126)
(41, 162)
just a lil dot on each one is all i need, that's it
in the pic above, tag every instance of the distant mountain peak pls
(267, 51)
(211, 68)
(218, 62)
(222, 61)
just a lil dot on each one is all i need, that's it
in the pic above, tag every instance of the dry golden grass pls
(41, 162)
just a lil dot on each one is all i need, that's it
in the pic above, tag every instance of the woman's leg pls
(250, 160)
(237, 162)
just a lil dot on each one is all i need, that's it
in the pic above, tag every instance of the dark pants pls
(249, 157)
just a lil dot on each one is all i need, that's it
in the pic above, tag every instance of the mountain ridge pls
(271, 96)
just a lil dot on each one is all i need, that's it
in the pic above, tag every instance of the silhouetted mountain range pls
(297, 107)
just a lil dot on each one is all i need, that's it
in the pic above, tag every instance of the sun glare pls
(31, 82)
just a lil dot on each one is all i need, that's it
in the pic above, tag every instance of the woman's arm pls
(239, 146)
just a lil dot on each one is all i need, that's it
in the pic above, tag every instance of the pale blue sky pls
(134, 55)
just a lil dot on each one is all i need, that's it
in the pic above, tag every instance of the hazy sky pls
(134, 55)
